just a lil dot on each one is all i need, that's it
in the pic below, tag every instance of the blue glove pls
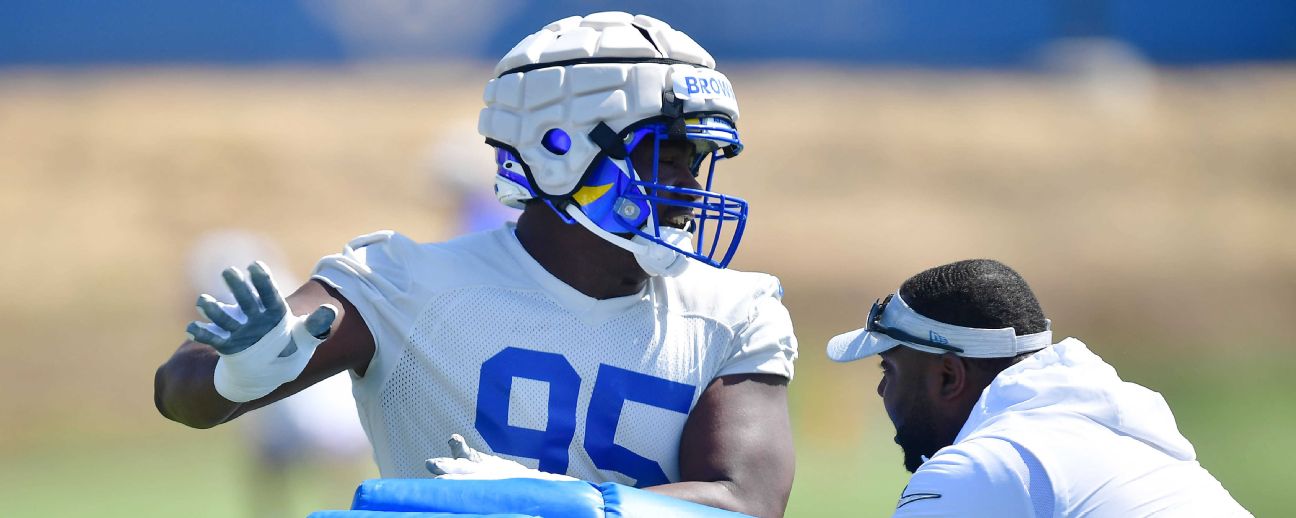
(262, 345)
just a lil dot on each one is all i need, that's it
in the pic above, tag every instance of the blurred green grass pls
(175, 472)
(1237, 411)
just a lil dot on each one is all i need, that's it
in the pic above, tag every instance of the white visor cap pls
(898, 316)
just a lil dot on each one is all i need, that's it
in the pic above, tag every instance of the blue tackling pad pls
(513, 498)
(387, 514)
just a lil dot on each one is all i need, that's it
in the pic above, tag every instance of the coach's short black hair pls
(981, 293)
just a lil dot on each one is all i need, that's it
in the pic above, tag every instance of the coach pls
(996, 420)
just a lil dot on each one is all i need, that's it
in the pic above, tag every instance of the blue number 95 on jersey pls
(518, 497)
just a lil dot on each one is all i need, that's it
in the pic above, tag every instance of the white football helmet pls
(571, 102)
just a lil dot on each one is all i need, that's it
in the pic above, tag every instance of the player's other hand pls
(465, 463)
(262, 345)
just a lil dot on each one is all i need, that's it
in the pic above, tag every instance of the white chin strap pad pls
(659, 260)
(655, 259)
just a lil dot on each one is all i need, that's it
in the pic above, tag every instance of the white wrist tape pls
(258, 370)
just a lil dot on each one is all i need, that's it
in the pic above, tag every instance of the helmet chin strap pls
(654, 258)
(660, 260)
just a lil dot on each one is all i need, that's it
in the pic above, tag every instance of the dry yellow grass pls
(1163, 215)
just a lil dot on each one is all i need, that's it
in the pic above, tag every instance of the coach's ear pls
(953, 377)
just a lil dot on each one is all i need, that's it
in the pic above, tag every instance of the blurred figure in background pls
(997, 420)
(317, 426)
(456, 171)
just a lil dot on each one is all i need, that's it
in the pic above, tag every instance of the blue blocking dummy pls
(513, 498)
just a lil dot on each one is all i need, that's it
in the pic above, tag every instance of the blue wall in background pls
(940, 33)
(136, 31)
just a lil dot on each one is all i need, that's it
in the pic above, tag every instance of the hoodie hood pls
(1065, 382)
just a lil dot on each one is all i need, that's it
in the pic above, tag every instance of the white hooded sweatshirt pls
(1060, 434)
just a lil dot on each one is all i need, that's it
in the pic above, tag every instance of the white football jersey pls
(474, 337)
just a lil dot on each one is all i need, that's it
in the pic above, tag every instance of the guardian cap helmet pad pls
(573, 100)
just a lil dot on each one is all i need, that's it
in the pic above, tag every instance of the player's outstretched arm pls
(736, 452)
(260, 351)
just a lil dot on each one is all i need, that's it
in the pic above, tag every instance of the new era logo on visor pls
(933, 336)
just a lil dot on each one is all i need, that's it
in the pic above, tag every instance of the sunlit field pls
(1153, 217)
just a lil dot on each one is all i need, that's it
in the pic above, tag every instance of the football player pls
(600, 337)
